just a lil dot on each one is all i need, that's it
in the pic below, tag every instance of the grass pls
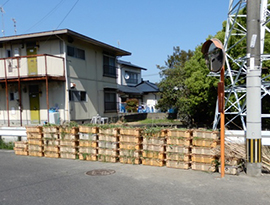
(6, 145)
(156, 121)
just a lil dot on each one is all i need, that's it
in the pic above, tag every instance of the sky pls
(149, 29)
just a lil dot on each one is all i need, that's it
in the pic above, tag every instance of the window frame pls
(75, 52)
(77, 96)
(110, 105)
(109, 66)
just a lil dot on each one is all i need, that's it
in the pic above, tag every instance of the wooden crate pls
(178, 149)
(177, 164)
(204, 151)
(130, 160)
(108, 138)
(36, 129)
(130, 153)
(21, 152)
(152, 147)
(51, 129)
(154, 140)
(203, 167)
(66, 155)
(51, 136)
(86, 143)
(35, 142)
(69, 136)
(153, 154)
(88, 150)
(177, 133)
(51, 154)
(152, 162)
(51, 148)
(104, 158)
(161, 134)
(87, 136)
(178, 141)
(108, 152)
(178, 156)
(87, 157)
(33, 135)
(68, 130)
(136, 132)
(36, 148)
(108, 145)
(130, 139)
(214, 135)
(208, 159)
(51, 142)
(35, 154)
(72, 143)
(113, 131)
(21, 144)
(86, 129)
(204, 143)
(72, 150)
(233, 170)
(130, 146)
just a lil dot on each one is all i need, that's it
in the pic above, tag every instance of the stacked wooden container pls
(69, 140)
(88, 143)
(130, 143)
(154, 145)
(21, 148)
(204, 156)
(51, 141)
(35, 141)
(108, 144)
(178, 149)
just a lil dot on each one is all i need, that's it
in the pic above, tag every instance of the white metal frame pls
(237, 107)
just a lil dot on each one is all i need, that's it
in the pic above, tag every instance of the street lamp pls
(214, 55)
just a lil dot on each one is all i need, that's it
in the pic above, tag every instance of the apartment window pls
(109, 68)
(77, 96)
(75, 52)
(131, 77)
(110, 102)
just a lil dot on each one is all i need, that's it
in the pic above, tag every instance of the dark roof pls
(128, 89)
(147, 87)
(141, 88)
(130, 64)
(117, 51)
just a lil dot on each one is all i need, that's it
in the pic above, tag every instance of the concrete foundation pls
(254, 169)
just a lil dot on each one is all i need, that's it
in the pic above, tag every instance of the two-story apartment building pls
(60, 72)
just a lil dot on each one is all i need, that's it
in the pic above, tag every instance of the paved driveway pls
(28, 180)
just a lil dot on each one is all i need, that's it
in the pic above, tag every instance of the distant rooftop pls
(130, 64)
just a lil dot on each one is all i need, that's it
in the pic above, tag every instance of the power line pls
(67, 14)
(5, 3)
(45, 15)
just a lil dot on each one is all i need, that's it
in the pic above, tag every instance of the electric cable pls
(67, 14)
(46, 15)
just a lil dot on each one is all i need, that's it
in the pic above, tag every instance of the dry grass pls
(235, 150)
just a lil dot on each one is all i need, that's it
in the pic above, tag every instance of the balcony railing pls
(32, 66)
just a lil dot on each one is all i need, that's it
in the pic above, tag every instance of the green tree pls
(172, 82)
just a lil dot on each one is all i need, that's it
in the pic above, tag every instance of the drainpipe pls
(7, 100)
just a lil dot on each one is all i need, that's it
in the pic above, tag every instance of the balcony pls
(32, 67)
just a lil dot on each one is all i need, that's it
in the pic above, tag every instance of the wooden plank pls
(154, 155)
(176, 133)
(177, 164)
(87, 157)
(203, 167)
(130, 160)
(152, 162)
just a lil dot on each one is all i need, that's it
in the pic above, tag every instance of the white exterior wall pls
(151, 100)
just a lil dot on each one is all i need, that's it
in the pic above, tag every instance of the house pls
(131, 85)
(56, 76)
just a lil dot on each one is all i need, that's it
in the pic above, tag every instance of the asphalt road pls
(28, 180)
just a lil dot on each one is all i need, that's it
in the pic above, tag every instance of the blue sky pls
(149, 29)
